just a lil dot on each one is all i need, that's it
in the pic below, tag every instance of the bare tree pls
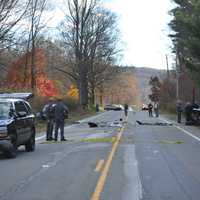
(74, 30)
(11, 13)
(102, 49)
(36, 10)
(87, 34)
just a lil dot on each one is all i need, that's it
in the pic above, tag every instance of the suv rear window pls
(5, 108)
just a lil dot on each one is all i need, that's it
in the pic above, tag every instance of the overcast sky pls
(144, 30)
(143, 24)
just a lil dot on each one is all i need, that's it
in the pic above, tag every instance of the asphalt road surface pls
(118, 160)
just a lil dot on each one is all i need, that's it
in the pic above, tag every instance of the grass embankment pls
(169, 114)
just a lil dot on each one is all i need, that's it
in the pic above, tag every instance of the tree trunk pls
(101, 96)
(83, 90)
(92, 99)
(33, 70)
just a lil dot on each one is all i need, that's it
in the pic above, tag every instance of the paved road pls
(109, 163)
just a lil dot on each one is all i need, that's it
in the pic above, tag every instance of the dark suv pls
(17, 124)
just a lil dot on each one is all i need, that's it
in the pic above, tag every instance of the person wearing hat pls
(61, 112)
(48, 113)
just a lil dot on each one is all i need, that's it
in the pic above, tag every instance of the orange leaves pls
(46, 87)
(123, 89)
(73, 92)
(19, 74)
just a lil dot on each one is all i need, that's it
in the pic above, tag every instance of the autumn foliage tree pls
(155, 84)
(125, 91)
(19, 75)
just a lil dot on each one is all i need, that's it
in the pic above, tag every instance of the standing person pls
(188, 114)
(126, 109)
(150, 108)
(61, 112)
(179, 110)
(156, 109)
(48, 113)
(97, 107)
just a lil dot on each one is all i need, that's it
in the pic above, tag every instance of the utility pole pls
(178, 72)
(193, 95)
(167, 63)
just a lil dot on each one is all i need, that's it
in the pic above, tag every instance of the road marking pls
(40, 138)
(104, 174)
(44, 136)
(183, 130)
(99, 166)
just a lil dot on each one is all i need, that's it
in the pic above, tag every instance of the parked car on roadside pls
(17, 123)
(145, 107)
(115, 107)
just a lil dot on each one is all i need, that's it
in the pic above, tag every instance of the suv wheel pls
(12, 152)
(30, 145)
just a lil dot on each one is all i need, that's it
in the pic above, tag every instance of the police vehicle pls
(17, 123)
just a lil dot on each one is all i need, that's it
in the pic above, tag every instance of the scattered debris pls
(92, 124)
(154, 124)
(116, 123)
(45, 166)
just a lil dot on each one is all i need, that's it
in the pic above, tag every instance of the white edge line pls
(43, 136)
(187, 132)
(40, 138)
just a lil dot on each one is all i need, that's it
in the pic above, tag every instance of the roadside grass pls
(170, 115)
(170, 142)
(100, 140)
(154, 141)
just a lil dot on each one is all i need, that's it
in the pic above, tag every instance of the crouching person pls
(61, 112)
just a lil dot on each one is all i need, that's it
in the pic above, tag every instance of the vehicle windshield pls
(5, 110)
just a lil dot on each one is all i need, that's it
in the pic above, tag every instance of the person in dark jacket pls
(60, 114)
(48, 114)
(126, 109)
(97, 107)
(188, 114)
(150, 108)
(179, 110)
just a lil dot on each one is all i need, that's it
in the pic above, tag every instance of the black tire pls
(30, 145)
(12, 152)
